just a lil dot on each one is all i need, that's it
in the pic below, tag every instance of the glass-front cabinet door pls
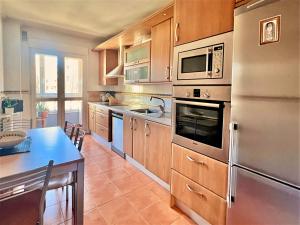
(137, 54)
(138, 73)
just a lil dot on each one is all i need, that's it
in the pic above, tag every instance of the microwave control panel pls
(217, 61)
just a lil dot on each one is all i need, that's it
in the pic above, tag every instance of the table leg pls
(79, 194)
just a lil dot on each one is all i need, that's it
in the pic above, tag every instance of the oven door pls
(202, 127)
(195, 64)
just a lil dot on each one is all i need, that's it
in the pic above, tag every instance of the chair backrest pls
(28, 182)
(69, 129)
(79, 136)
(16, 124)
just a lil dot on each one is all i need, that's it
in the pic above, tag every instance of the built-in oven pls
(201, 119)
(207, 61)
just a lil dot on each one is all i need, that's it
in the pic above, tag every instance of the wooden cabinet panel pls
(161, 51)
(102, 131)
(127, 134)
(108, 60)
(158, 149)
(101, 109)
(102, 119)
(208, 172)
(138, 144)
(209, 205)
(91, 122)
(196, 19)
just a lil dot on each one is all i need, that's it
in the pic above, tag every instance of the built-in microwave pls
(207, 61)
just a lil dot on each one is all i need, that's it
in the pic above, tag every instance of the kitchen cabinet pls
(137, 63)
(127, 132)
(138, 140)
(196, 19)
(207, 204)
(137, 54)
(137, 73)
(158, 149)
(91, 118)
(99, 121)
(210, 173)
(161, 51)
(108, 60)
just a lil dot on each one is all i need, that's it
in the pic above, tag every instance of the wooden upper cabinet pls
(127, 133)
(108, 60)
(138, 146)
(158, 149)
(161, 51)
(198, 19)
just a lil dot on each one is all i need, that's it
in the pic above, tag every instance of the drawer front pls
(207, 172)
(204, 202)
(102, 131)
(102, 110)
(102, 119)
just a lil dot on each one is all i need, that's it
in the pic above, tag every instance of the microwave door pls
(194, 64)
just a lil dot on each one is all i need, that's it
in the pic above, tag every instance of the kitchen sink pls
(145, 111)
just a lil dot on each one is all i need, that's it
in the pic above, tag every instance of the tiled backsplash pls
(136, 94)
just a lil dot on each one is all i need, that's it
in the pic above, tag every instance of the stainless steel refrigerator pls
(265, 114)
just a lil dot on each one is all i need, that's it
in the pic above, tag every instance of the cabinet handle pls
(167, 72)
(134, 124)
(176, 32)
(130, 123)
(196, 192)
(147, 129)
(195, 161)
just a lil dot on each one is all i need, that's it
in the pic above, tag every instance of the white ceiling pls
(90, 18)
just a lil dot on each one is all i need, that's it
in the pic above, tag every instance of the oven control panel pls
(218, 93)
(217, 62)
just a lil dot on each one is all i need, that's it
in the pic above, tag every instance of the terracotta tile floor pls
(116, 193)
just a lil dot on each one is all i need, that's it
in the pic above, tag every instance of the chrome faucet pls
(163, 106)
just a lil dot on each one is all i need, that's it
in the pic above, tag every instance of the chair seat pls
(60, 181)
(23, 209)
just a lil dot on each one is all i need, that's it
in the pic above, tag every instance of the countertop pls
(162, 118)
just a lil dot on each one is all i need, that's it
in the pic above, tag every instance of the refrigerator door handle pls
(233, 127)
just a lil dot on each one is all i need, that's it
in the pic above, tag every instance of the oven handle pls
(213, 105)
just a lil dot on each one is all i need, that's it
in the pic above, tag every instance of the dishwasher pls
(117, 134)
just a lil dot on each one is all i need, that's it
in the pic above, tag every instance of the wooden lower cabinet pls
(102, 131)
(204, 202)
(158, 149)
(138, 140)
(91, 122)
(127, 134)
(206, 171)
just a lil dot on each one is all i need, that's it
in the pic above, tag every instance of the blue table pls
(49, 144)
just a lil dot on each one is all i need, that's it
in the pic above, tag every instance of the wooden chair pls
(22, 197)
(69, 129)
(79, 136)
(65, 180)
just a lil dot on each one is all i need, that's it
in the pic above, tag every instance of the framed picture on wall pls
(269, 30)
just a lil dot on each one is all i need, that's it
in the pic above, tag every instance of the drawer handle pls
(195, 161)
(196, 192)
